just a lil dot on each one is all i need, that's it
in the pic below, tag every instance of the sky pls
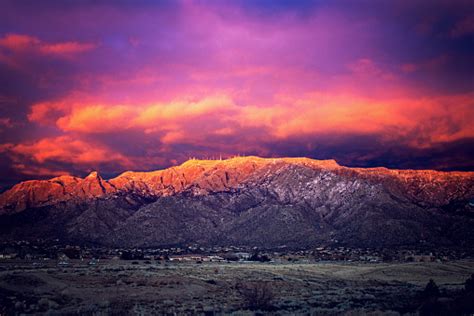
(143, 85)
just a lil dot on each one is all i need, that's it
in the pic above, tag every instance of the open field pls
(116, 286)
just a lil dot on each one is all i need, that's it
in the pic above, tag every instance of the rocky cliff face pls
(37, 193)
(247, 200)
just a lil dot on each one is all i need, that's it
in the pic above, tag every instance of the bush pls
(260, 258)
(434, 307)
(465, 304)
(256, 295)
(469, 286)
(431, 290)
(129, 255)
(72, 253)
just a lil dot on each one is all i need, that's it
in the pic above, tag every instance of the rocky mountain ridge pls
(247, 200)
(207, 176)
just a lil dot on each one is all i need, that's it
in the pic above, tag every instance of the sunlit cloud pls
(119, 86)
(66, 149)
(48, 155)
(437, 119)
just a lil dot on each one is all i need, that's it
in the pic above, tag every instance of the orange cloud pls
(22, 43)
(319, 113)
(97, 119)
(173, 137)
(46, 113)
(182, 110)
(434, 119)
(171, 118)
(428, 120)
(69, 150)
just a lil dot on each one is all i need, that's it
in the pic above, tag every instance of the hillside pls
(247, 201)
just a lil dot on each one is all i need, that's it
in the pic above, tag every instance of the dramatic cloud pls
(54, 153)
(64, 148)
(143, 85)
(436, 119)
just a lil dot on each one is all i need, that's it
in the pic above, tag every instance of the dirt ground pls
(121, 287)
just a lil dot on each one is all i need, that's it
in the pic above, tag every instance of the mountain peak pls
(93, 175)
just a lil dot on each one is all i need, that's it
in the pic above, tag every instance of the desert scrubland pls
(147, 287)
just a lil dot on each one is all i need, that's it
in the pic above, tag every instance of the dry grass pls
(325, 288)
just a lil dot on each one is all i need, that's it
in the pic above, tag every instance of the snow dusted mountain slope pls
(247, 200)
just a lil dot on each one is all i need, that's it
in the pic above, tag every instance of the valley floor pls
(125, 287)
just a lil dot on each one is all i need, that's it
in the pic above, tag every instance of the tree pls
(431, 290)
(261, 258)
(469, 286)
(72, 253)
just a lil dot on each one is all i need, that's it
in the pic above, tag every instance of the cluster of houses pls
(196, 258)
(41, 250)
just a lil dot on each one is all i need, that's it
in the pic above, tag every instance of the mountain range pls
(264, 202)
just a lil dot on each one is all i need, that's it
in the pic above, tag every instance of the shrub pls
(261, 258)
(434, 307)
(431, 290)
(256, 295)
(469, 286)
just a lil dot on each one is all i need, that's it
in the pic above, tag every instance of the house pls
(215, 258)
(369, 258)
(243, 255)
(186, 258)
(8, 253)
(421, 258)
